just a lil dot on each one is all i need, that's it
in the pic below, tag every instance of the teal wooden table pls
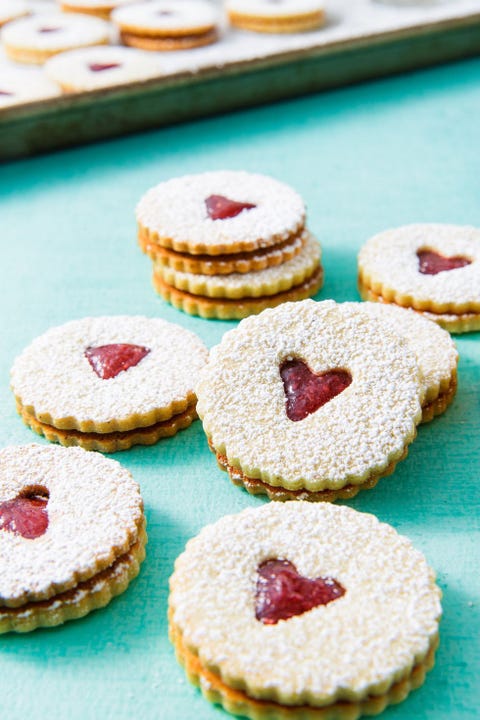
(365, 158)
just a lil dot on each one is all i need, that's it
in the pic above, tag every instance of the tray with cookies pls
(73, 71)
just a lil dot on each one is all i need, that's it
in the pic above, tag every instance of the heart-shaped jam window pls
(100, 67)
(282, 592)
(46, 30)
(220, 207)
(109, 360)
(26, 515)
(5, 93)
(431, 263)
(306, 392)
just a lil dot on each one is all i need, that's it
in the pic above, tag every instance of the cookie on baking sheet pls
(35, 39)
(99, 67)
(310, 400)
(99, 8)
(24, 85)
(12, 10)
(277, 16)
(436, 354)
(296, 610)
(72, 534)
(108, 383)
(167, 24)
(432, 268)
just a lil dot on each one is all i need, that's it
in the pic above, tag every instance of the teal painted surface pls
(364, 158)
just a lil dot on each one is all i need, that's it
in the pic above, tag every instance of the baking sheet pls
(361, 39)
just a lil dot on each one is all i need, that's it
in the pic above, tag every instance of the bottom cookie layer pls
(177, 42)
(257, 487)
(461, 323)
(226, 309)
(115, 441)
(440, 404)
(89, 595)
(238, 702)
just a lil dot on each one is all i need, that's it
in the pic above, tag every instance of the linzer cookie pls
(167, 24)
(436, 354)
(72, 534)
(303, 611)
(103, 66)
(35, 39)
(277, 16)
(310, 401)
(23, 85)
(228, 244)
(238, 295)
(109, 383)
(434, 269)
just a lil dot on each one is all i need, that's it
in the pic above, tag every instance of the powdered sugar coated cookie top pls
(94, 514)
(175, 212)
(252, 284)
(242, 403)
(279, 8)
(436, 353)
(56, 31)
(177, 15)
(356, 645)
(24, 85)
(101, 66)
(12, 9)
(389, 265)
(55, 381)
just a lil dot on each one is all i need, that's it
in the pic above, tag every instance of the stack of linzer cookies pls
(304, 401)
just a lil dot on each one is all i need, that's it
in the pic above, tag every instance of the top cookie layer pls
(94, 510)
(53, 379)
(175, 215)
(389, 265)
(164, 17)
(358, 433)
(55, 32)
(359, 644)
(278, 9)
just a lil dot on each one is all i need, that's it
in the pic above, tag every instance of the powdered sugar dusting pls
(72, 30)
(241, 399)
(436, 354)
(278, 9)
(177, 16)
(270, 281)
(359, 644)
(94, 510)
(175, 211)
(54, 380)
(388, 264)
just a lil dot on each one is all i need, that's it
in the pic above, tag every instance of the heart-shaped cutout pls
(100, 67)
(282, 592)
(306, 392)
(220, 207)
(431, 263)
(26, 515)
(5, 93)
(45, 30)
(109, 360)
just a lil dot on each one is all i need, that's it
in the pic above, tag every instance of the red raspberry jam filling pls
(306, 392)
(283, 593)
(5, 93)
(221, 208)
(49, 29)
(26, 515)
(109, 360)
(431, 263)
(99, 67)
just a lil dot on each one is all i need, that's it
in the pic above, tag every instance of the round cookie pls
(271, 281)
(18, 86)
(220, 212)
(98, 67)
(166, 25)
(12, 10)
(436, 354)
(434, 269)
(294, 611)
(72, 534)
(108, 383)
(35, 39)
(280, 16)
(99, 8)
(311, 400)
